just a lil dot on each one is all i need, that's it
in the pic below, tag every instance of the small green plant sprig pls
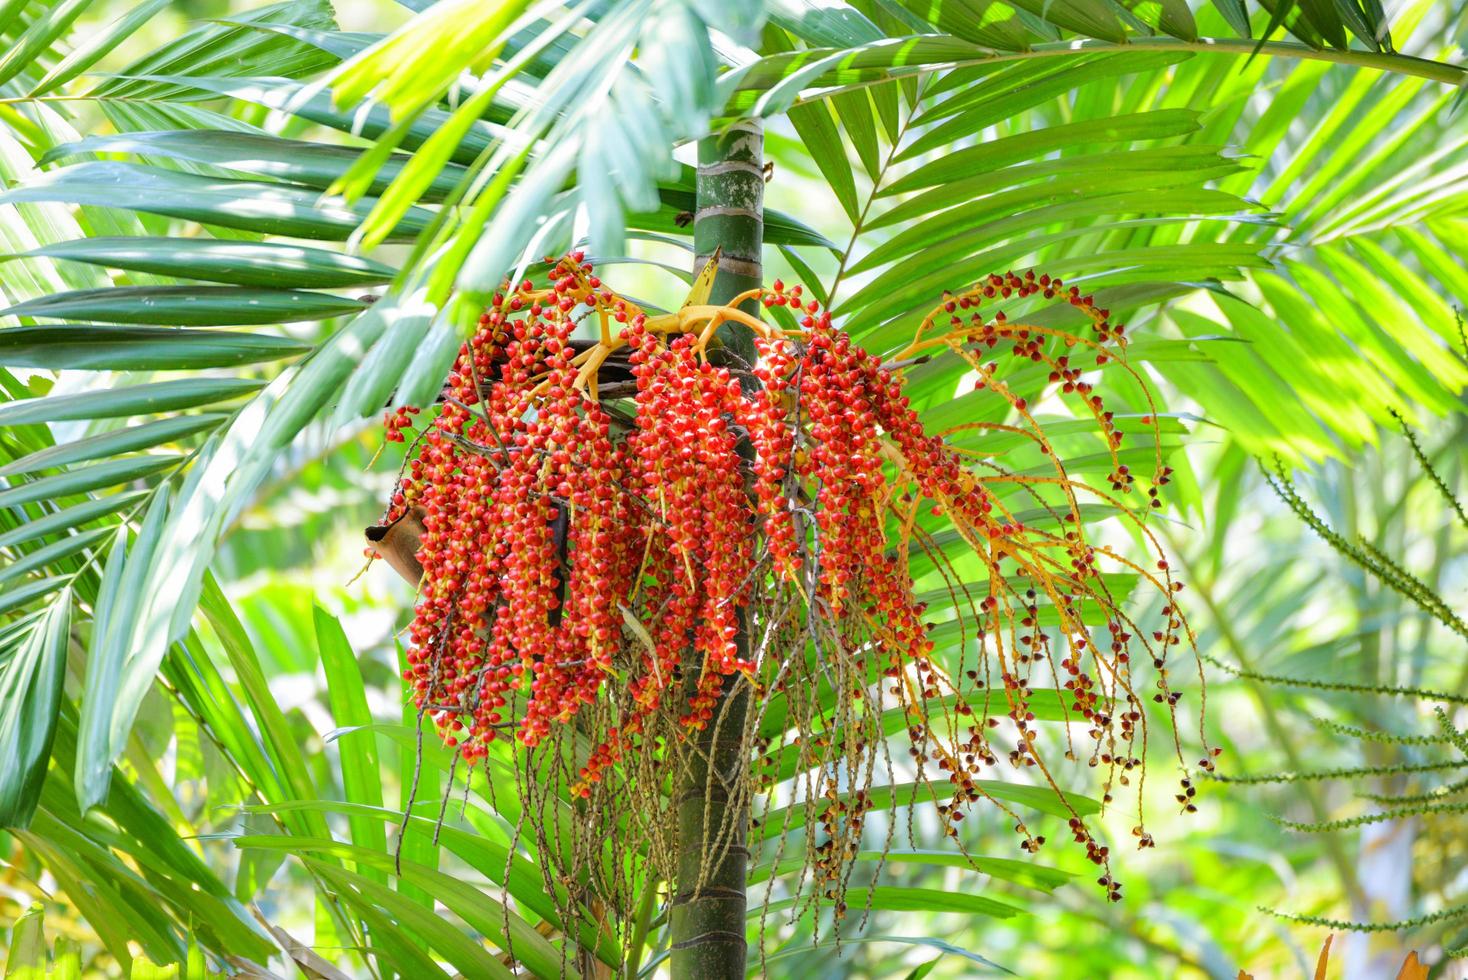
(1367, 556)
(1439, 801)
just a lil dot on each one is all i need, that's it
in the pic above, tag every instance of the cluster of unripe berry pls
(627, 551)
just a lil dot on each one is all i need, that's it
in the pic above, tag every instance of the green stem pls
(707, 911)
(641, 925)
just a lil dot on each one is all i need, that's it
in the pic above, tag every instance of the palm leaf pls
(957, 138)
(32, 666)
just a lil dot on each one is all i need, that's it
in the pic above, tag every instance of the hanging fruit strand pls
(579, 538)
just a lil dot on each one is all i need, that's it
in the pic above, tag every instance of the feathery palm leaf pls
(1124, 145)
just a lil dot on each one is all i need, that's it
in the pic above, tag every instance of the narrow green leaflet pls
(1015, 89)
(38, 38)
(187, 306)
(1041, 798)
(102, 727)
(898, 899)
(401, 954)
(408, 70)
(1173, 17)
(317, 165)
(30, 697)
(476, 906)
(466, 954)
(383, 369)
(27, 957)
(94, 348)
(989, 155)
(824, 24)
(869, 62)
(114, 443)
(1036, 876)
(1089, 18)
(818, 130)
(47, 554)
(97, 47)
(110, 403)
(487, 856)
(1236, 14)
(361, 775)
(178, 551)
(106, 474)
(1187, 163)
(370, 122)
(805, 949)
(273, 265)
(995, 218)
(269, 209)
(213, 49)
(1046, 705)
(894, 58)
(430, 163)
(21, 595)
(68, 518)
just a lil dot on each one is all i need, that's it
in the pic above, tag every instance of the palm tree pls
(362, 195)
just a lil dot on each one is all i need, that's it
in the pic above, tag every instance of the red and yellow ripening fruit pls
(608, 567)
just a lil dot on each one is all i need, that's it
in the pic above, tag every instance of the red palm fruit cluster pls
(398, 420)
(495, 475)
(636, 553)
(687, 479)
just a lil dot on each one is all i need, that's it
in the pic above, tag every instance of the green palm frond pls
(294, 224)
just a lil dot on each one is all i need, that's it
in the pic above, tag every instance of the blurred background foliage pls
(1327, 302)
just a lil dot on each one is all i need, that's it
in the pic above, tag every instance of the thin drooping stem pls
(707, 915)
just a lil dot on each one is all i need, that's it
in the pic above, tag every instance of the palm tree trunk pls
(708, 907)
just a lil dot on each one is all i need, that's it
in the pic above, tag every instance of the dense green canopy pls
(231, 236)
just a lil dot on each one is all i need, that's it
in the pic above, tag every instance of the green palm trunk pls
(708, 909)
